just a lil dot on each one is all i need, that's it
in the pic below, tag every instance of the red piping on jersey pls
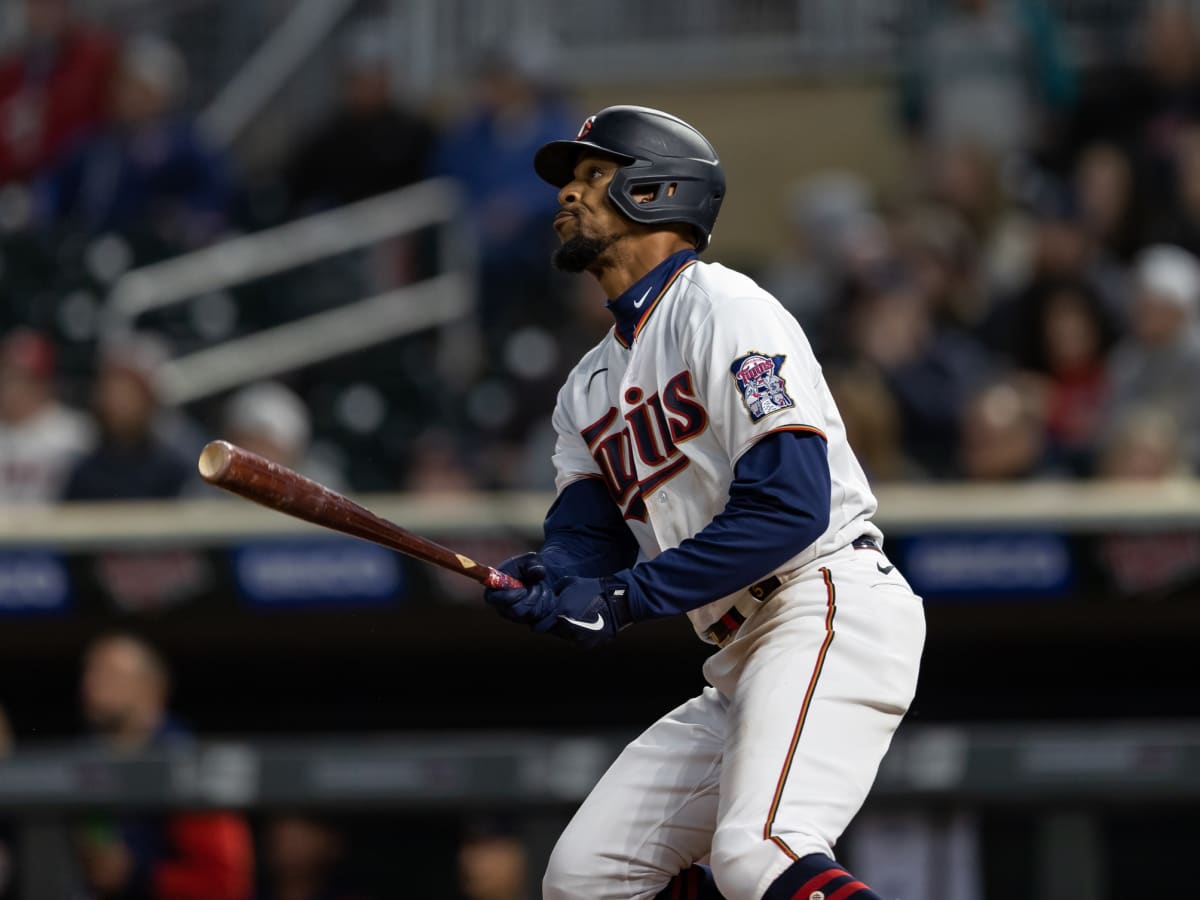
(831, 609)
(806, 428)
(637, 329)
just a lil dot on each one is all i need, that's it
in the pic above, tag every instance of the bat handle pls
(498, 580)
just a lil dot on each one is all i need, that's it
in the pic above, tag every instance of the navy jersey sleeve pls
(778, 505)
(585, 533)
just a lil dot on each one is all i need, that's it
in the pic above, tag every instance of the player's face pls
(588, 224)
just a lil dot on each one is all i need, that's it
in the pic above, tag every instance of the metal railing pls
(355, 324)
(270, 66)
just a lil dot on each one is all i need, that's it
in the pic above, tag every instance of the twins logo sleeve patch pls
(763, 390)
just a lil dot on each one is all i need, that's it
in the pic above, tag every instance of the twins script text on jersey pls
(653, 428)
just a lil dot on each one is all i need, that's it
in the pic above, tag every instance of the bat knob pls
(215, 459)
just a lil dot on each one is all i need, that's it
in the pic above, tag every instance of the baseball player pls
(702, 468)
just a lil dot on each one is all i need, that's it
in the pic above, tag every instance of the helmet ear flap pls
(676, 199)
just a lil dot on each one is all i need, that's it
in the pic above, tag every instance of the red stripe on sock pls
(818, 882)
(847, 890)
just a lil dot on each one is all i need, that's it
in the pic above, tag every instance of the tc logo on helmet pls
(587, 126)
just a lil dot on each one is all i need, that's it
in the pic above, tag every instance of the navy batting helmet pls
(655, 149)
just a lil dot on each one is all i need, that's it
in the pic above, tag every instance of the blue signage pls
(1001, 563)
(317, 573)
(33, 582)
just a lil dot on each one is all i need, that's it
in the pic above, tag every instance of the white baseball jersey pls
(716, 364)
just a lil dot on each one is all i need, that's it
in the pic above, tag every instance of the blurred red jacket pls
(212, 858)
(50, 98)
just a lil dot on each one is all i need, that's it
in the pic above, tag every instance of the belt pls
(726, 627)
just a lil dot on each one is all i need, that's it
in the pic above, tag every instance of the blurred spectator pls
(149, 175)
(1062, 251)
(40, 439)
(371, 144)
(182, 856)
(131, 462)
(272, 421)
(940, 252)
(437, 466)
(1069, 344)
(1002, 438)
(985, 72)
(872, 421)
(489, 152)
(1163, 96)
(1147, 446)
(304, 861)
(492, 861)
(1144, 446)
(52, 88)
(1105, 184)
(833, 232)
(1158, 362)
(930, 367)
(1178, 214)
(965, 180)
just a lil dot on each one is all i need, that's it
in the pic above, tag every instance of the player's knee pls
(574, 871)
(744, 864)
(737, 860)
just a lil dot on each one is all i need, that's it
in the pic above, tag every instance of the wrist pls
(623, 599)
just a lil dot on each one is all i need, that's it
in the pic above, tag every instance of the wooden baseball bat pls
(249, 475)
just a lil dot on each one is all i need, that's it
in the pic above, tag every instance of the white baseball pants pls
(772, 761)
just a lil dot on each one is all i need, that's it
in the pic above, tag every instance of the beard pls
(577, 254)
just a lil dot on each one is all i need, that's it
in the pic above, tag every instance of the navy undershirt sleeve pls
(778, 505)
(585, 533)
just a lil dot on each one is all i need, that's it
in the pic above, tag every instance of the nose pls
(568, 194)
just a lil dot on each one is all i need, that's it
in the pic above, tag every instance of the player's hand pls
(528, 604)
(528, 568)
(587, 611)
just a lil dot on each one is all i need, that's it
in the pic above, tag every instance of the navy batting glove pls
(587, 611)
(528, 604)
(530, 568)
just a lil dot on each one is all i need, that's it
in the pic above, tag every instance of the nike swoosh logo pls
(638, 304)
(587, 626)
(884, 570)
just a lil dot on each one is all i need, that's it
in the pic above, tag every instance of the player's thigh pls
(814, 711)
(651, 815)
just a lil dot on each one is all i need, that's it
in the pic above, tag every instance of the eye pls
(594, 172)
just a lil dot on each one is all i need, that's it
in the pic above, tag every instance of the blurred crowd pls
(296, 854)
(1027, 305)
(1024, 303)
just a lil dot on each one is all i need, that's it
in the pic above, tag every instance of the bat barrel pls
(249, 475)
